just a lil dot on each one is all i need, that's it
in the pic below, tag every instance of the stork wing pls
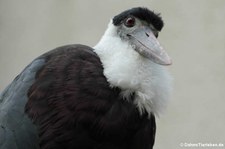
(16, 129)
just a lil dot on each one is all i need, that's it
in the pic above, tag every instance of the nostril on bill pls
(147, 34)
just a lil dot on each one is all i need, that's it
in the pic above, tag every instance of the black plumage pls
(143, 14)
(71, 110)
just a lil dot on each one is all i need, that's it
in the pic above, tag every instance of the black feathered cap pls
(141, 13)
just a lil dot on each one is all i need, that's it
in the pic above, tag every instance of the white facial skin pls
(124, 30)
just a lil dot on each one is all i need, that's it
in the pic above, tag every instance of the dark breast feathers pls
(72, 106)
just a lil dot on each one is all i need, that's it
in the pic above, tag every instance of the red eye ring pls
(129, 22)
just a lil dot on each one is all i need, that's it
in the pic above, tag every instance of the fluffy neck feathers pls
(126, 69)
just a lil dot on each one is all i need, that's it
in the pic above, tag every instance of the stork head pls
(132, 58)
(140, 28)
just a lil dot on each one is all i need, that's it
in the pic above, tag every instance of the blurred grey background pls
(193, 35)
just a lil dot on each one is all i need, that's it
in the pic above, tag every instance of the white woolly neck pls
(126, 69)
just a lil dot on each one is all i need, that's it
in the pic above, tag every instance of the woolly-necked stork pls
(78, 97)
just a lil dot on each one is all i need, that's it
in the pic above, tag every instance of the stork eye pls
(130, 22)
